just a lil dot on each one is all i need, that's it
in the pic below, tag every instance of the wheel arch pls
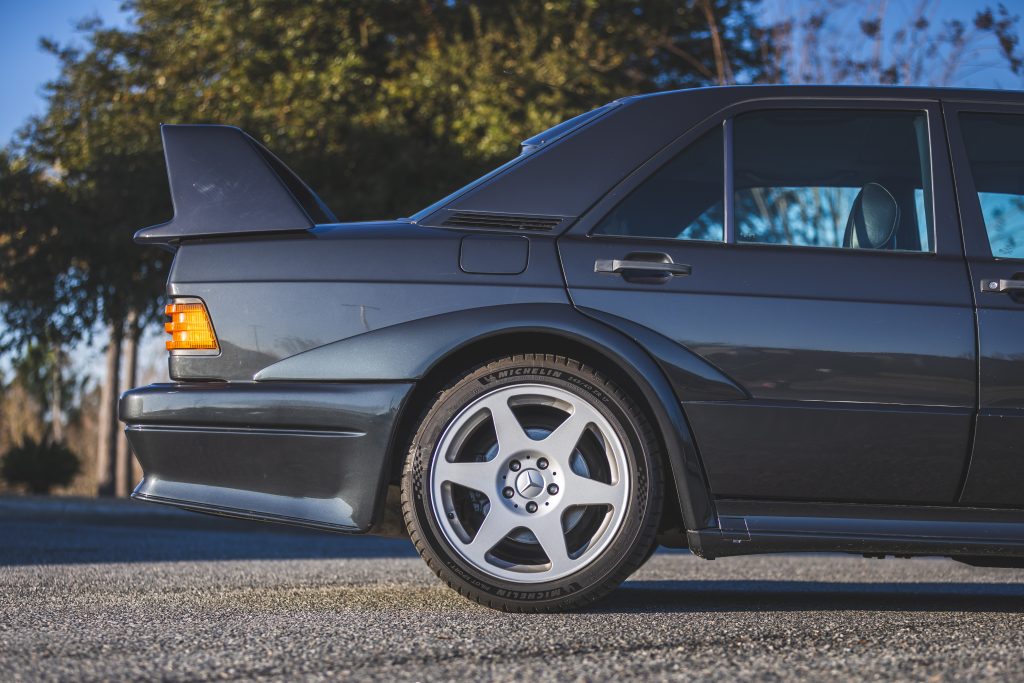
(551, 342)
(433, 350)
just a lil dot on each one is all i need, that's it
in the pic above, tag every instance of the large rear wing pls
(223, 182)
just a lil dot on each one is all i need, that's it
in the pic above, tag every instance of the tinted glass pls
(550, 135)
(681, 200)
(995, 148)
(855, 179)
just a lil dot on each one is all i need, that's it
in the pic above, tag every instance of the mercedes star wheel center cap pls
(530, 483)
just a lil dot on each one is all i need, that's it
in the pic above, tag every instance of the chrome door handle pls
(621, 265)
(1000, 286)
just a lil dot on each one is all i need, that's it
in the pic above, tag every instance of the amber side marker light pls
(190, 327)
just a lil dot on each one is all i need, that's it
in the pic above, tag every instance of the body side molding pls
(408, 351)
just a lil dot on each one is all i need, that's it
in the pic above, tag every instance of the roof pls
(739, 93)
(566, 177)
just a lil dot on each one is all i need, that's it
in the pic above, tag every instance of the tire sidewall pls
(520, 371)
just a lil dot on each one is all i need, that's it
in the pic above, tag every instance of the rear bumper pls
(314, 454)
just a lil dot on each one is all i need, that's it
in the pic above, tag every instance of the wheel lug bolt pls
(508, 492)
(552, 489)
(542, 464)
(531, 507)
(514, 465)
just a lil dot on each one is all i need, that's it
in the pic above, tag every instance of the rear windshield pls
(529, 145)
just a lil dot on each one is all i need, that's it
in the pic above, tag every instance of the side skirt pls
(753, 527)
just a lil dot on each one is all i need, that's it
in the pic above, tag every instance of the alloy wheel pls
(529, 483)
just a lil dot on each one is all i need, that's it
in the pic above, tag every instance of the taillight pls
(190, 327)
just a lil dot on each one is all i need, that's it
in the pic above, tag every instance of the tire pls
(533, 484)
(648, 556)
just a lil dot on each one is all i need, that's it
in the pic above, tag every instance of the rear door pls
(987, 143)
(853, 338)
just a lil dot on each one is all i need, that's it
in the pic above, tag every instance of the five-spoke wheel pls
(536, 480)
(531, 481)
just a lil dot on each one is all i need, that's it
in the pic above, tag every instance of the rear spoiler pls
(225, 183)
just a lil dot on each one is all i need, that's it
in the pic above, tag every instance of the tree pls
(41, 303)
(39, 466)
(842, 41)
(364, 97)
(49, 380)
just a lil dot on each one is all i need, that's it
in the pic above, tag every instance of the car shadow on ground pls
(62, 531)
(790, 596)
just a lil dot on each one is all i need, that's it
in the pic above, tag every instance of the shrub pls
(40, 466)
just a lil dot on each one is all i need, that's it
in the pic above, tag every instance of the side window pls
(995, 149)
(681, 200)
(831, 178)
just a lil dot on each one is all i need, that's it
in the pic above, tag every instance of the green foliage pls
(41, 370)
(40, 296)
(382, 106)
(39, 466)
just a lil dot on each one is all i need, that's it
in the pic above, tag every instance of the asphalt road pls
(119, 590)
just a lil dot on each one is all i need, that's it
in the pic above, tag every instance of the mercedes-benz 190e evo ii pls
(734, 320)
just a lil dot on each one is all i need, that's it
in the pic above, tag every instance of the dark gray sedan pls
(734, 320)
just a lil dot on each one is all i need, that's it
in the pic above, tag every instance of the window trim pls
(730, 159)
(977, 244)
(946, 238)
(729, 184)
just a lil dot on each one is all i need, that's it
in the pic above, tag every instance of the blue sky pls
(24, 68)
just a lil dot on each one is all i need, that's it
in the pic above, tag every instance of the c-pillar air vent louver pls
(502, 221)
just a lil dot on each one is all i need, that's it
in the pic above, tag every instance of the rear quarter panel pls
(274, 297)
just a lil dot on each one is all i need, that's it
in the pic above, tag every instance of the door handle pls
(1001, 286)
(641, 265)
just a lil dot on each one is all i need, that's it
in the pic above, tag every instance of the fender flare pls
(408, 351)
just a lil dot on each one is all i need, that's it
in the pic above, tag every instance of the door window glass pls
(681, 200)
(995, 149)
(830, 178)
